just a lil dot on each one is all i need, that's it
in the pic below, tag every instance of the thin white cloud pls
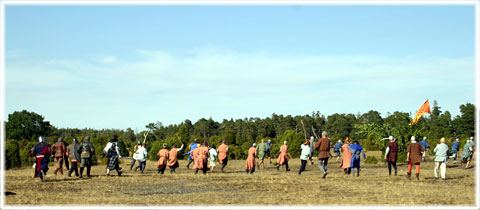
(218, 82)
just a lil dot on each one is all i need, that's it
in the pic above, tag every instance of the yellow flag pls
(425, 108)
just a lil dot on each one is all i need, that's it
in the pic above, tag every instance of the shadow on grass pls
(9, 193)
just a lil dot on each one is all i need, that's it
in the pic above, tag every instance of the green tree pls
(26, 125)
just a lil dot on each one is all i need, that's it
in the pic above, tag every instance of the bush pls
(12, 154)
(371, 160)
(25, 148)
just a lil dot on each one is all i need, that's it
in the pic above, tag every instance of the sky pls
(91, 66)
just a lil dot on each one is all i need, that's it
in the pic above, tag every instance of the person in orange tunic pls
(162, 160)
(346, 157)
(283, 157)
(172, 158)
(223, 154)
(201, 158)
(250, 165)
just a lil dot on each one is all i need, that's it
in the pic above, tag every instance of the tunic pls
(72, 152)
(222, 152)
(261, 149)
(162, 160)
(42, 155)
(347, 157)
(251, 158)
(201, 157)
(194, 155)
(323, 145)
(466, 149)
(441, 153)
(356, 150)
(283, 157)
(415, 150)
(392, 151)
(172, 157)
(59, 149)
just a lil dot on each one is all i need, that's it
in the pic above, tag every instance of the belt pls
(39, 156)
(85, 152)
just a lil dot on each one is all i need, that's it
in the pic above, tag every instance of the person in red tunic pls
(283, 157)
(414, 157)
(42, 152)
(250, 165)
(162, 160)
(59, 150)
(391, 155)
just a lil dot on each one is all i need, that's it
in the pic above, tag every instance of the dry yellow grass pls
(234, 187)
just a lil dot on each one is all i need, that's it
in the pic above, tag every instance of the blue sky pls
(127, 66)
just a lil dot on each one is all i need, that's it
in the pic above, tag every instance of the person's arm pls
(386, 152)
(180, 148)
(364, 158)
(408, 156)
(118, 152)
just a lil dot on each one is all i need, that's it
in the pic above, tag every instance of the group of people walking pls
(204, 157)
(76, 152)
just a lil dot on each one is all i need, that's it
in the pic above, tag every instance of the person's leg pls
(443, 170)
(205, 167)
(409, 173)
(141, 165)
(189, 162)
(353, 171)
(454, 157)
(389, 168)
(133, 163)
(69, 174)
(89, 166)
(395, 167)
(286, 165)
(82, 166)
(417, 167)
(57, 167)
(76, 168)
(435, 169)
(325, 164)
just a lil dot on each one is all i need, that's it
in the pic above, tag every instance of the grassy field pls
(235, 187)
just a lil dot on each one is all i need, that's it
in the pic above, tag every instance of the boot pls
(417, 175)
(119, 173)
(395, 172)
(196, 171)
(409, 176)
(81, 172)
(246, 170)
(88, 171)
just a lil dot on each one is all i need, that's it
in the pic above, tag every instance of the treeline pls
(22, 129)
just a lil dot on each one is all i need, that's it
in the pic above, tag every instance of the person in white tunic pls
(441, 156)
(213, 155)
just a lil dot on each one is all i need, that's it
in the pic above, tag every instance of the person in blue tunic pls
(193, 145)
(336, 149)
(455, 149)
(355, 162)
(269, 149)
(425, 146)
